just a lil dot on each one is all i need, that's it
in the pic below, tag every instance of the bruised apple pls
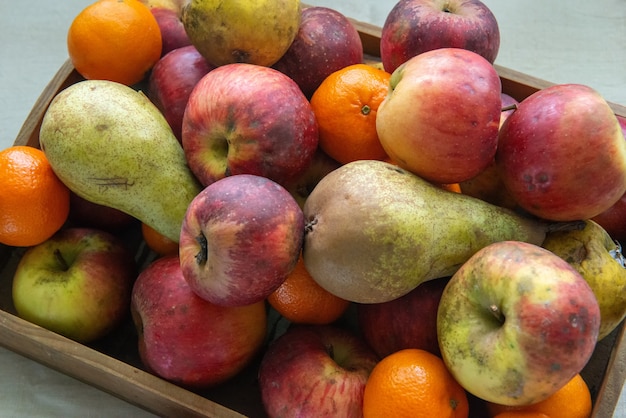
(240, 239)
(562, 155)
(441, 117)
(185, 339)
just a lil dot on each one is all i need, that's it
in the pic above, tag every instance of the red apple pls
(248, 119)
(173, 33)
(613, 220)
(315, 370)
(416, 26)
(326, 42)
(241, 237)
(409, 321)
(516, 322)
(171, 81)
(302, 186)
(77, 283)
(187, 340)
(562, 154)
(440, 119)
(84, 213)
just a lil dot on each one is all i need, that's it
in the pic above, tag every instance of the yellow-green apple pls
(326, 42)
(255, 32)
(315, 370)
(613, 220)
(248, 119)
(409, 321)
(84, 213)
(440, 119)
(599, 259)
(416, 26)
(516, 322)
(301, 187)
(488, 185)
(187, 340)
(562, 154)
(171, 81)
(240, 238)
(77, 283)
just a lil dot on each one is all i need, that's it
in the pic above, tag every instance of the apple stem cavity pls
(61, 260)
(497, 313)
(203, 254)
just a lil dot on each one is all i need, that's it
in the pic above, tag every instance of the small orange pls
(413, 383)
(301, 300)
(34, 203)
(158, 242)
(116, 40)
(521, 414)
(571, 401)
(345, 106)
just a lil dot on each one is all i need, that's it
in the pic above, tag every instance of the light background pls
(564, 42)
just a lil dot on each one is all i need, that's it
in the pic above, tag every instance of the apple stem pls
(61, 260)
(496, 312)
(202, 255)
(509, 107)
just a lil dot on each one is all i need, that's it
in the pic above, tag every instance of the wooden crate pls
(112, 365)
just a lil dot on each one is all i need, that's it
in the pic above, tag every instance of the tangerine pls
(116, 40)
(34, 203)
(158, 242)
(345, 106)
(413, 383)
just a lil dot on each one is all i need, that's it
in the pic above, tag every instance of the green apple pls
(254, 32)
(516, 322)
(77, 283)
(599, 259)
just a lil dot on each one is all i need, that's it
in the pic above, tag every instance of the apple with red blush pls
(187, 340)
(326, 42)
(416, 26)
(409, 321)
(84, 213)
(315, 370)
(171, 81)
(77, 283)
(441, 117)
(173, 34)
(301, 187)
(248, 119)
(241, 237)
(562, 154)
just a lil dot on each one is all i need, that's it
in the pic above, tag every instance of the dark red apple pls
(240, 238)
(302, 186)
(185, 339)
(409, 321)
(171, 81)
(315, 370)
(248, 119)
(84, 213)
(416, 26)
(562, 154)
(173, 33)
(326, 42)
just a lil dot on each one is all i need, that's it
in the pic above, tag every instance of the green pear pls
(110, 145)
(599, 259)
(375, 231)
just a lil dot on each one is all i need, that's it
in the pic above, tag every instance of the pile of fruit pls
(471, 238)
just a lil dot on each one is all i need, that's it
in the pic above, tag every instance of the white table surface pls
(564, 42)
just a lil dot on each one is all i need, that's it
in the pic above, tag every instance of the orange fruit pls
(34, 203)
(116, 40)
(301, 300)
(521, 414)
(158, 242)
(345, 106)
(413, 383)
(571, 401)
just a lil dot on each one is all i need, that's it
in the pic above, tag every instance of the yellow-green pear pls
(110, 145)
(599, 259)
(375, 231)
(230, 31)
